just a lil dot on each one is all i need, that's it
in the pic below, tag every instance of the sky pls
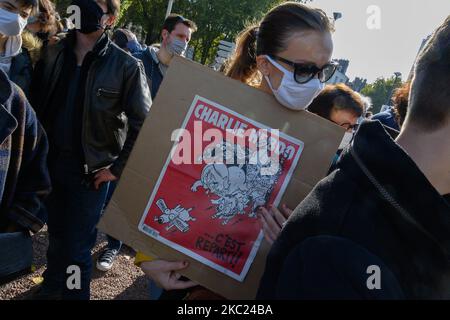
(375, 53)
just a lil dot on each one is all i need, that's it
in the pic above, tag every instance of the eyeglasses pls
(304, 73)
(348, 126)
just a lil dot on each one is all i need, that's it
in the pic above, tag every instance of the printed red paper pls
(206, 208)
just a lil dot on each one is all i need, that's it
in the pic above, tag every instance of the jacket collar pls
(100, 49)
(7, 121)
(399, 175)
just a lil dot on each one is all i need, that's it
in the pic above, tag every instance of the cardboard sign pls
(205, 206)
(203, 212)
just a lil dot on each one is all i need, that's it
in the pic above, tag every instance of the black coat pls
(21, 71)
(402, 221)
(24, 178)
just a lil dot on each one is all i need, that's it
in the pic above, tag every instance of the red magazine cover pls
(217, 175)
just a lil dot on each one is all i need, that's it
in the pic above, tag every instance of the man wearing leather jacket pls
(92, 99)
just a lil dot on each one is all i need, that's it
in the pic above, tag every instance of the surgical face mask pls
(11, 24)
(291, 94)
(178, 47)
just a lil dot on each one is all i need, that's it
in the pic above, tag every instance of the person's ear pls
(164, 34)
(264, 66)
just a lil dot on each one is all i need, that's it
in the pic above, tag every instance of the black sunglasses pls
(304, 73)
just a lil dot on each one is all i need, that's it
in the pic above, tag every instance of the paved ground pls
(123, 282)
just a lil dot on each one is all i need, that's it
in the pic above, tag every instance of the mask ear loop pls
(105, 29)
(279, 67)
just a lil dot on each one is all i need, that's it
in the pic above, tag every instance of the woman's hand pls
(165, 274)
(273, 220)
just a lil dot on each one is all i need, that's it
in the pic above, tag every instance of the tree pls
(380, 91)
(216, 20)
(220, 19)
(147, 15)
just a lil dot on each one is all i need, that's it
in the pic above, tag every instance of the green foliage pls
(216, 20)
(61, 6)
(380, 91)
(220, 19)
(147, 15)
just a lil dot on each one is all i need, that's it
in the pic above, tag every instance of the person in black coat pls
(386, 207)
(24, 178)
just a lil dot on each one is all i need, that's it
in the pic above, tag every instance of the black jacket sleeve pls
(33, 183)
(138, 101)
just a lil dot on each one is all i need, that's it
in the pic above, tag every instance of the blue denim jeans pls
(74, 209)
(16, 254)
(112, 242)
(154, 291)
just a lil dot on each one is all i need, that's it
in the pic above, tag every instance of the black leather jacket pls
(116, 102)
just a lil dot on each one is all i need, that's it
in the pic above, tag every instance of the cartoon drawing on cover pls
(239, 187)
(178, 217)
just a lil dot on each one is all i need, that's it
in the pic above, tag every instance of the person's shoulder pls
(20, 107)
(382, 116)
(51, 51)
(23, 58)
(148, 54)
(141, 54)
(125, 57)
(379, 115)
(328, 202)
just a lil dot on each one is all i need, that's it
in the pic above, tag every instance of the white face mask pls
(291, 94)
(348, 138)
(11, 24)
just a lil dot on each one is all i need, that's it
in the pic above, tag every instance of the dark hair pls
(337, 97)
(429, 101)
(120, 38)
(271, 36)
(172, 20)
(400, 99)
(28, 3)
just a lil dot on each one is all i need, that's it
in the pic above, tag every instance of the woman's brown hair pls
(47, 17)
(400, 100)
(271, 36)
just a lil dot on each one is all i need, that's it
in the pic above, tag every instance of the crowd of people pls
(72, 102)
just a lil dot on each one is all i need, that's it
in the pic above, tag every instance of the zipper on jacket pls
(102, 91)
(86, 101)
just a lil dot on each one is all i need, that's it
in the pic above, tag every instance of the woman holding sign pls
(288, 56)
